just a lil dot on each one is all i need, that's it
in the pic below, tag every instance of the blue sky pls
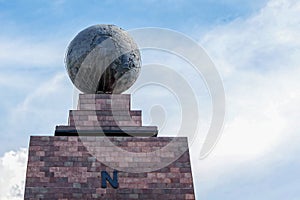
(254, 45)
(62, 16)
(35, 35)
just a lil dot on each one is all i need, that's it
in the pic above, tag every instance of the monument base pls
(66, 167)
(79, 163)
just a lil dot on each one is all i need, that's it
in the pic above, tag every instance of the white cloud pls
(259, 41)
(43, 92)
(258, 58)
(12, 175)
(22, 51)
(258, 97)
(43, 108)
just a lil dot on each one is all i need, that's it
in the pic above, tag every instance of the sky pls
(254, 45)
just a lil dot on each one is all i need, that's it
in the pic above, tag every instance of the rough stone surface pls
(105, 114)
(103, 59)
(64, 168)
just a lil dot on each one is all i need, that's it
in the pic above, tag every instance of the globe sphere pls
(103, 59)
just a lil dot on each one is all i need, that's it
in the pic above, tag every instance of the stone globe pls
(103, 59)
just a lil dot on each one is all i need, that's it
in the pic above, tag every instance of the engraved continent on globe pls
(103, 59)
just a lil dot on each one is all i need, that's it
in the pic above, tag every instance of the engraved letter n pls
(113, 182)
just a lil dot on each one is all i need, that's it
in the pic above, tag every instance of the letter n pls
(113, 182)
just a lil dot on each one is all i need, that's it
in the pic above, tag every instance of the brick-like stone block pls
(104, 102)
(103, 110)
(61, 167)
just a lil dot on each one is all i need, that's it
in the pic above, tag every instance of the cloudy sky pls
(255, 46)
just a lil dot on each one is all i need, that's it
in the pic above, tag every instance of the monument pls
(105, 152)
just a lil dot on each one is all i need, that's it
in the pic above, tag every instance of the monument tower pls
(105, 152)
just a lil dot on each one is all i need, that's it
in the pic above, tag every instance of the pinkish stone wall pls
(61, 167)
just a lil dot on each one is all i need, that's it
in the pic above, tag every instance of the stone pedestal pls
(105, 114)
(80, 163)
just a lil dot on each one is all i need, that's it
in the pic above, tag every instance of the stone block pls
(78, 176)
